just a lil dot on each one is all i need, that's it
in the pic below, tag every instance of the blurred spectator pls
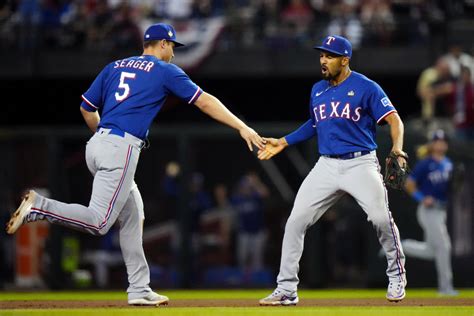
(248, 203)
(169, 192)
(28, 18)
(267, 20)
(433, 85)
(206, 8)
(200, 200)
(216, 226)
(378, 20)
(249, 22)
(100, 22)
(346, 22)
(125, 33)
(456, 59)
(53, 11)
(297, 17)
(462, 105)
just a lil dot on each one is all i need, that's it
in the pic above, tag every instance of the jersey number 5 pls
(122, 85)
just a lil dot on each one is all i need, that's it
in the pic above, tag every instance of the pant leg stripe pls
(114, 197)
(395, 240)
(112, 202)
(62, 218)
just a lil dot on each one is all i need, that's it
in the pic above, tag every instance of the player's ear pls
(345, 61)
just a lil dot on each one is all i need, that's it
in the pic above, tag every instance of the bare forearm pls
(214, 108)
(92, 119)
(396, 132)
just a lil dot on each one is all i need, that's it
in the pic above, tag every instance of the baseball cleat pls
(278, 297)
(20, 214)
(396, 290)
(150, 299)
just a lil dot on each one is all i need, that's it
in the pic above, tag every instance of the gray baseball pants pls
(437, 245)
(112, 160)
(328, 181)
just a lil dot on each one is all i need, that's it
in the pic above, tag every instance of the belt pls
(349, 155)
(128, 137)
(117, 132)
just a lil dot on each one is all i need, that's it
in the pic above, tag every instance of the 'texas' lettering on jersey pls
(336, 109)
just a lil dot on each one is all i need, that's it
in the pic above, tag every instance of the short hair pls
(151, 43)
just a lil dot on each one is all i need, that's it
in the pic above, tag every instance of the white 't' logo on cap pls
(330, 39)
(170, 34)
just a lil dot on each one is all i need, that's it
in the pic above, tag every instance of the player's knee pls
(297, 222)
(103, 231)
(380, 220)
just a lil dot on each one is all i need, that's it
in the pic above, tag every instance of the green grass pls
(255, 311)
(222, 294)
(394, 310)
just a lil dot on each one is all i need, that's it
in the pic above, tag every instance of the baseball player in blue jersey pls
(128, 93)
(345, 108)
(428, 184)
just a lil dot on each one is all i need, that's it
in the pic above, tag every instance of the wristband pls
(418, 196)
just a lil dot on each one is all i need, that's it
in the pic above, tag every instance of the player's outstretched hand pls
(251, 137)
(272, 148)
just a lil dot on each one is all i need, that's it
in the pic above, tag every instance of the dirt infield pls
(237, 303)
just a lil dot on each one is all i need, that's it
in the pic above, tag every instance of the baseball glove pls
(395, 174)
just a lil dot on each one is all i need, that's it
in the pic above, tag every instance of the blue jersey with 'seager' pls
(345, 116)
(130, 92)
(432, 177)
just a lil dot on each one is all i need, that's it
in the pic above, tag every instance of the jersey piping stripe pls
(114, 198)
(196, 94)
(89, 102)
(398, 260)
(111, 204)
(385, 115)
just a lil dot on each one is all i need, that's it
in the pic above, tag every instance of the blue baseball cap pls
(337, 45)
(161, 31)
(438, 134)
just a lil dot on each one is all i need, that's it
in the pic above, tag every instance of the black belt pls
(349, 155)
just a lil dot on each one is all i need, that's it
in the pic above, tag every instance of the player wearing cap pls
(128, 93)
(428, 184)
(344, 109)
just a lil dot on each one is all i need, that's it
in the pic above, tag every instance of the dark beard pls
(330, 77)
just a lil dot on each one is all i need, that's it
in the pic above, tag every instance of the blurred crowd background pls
(214, 214)
(115, 24)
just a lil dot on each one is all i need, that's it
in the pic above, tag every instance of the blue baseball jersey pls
(345, 116)
(250, 212)
(130, 92)
(432, 177)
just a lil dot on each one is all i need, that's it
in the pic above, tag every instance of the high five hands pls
(273, 146)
